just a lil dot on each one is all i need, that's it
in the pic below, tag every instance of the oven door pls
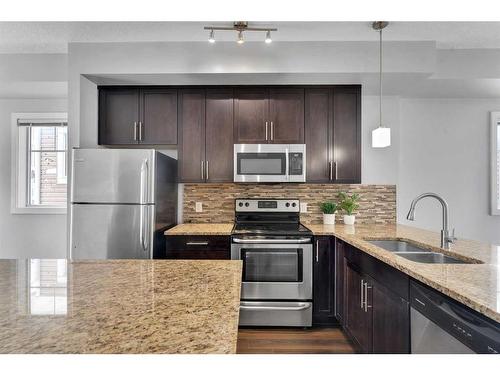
(260, 163)
(275, 271)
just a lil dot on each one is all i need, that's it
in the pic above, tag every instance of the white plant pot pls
(328, 219)
(349, 219)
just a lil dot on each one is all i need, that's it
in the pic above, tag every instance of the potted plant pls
(329, 209)
(349, 204)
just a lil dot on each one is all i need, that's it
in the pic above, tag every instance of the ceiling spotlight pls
(268, 37)
(211, 37)
(240, 37)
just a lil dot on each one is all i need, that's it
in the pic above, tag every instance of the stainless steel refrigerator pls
(121, 202)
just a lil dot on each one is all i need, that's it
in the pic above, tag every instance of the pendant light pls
(381, 137)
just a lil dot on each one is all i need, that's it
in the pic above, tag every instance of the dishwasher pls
(441, 325)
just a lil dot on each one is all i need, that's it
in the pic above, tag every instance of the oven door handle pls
(264, 241)
(300, 307)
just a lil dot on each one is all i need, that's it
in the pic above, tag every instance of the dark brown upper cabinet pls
(158, 117)
(206, 135)
(134, 116)
(269, 115)
(118, 116)
(333, 134)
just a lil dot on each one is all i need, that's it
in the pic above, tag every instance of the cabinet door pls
(391, 321)
(357, 321)
(159, 117)
(251, 114)
(286, 107)
(324, 283)
(192, 135)
(340, 265)
(347, 134)
(219, 135)
(118, 116)
(317, 134)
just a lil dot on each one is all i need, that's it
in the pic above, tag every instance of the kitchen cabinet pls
(339, 280)
(206, 133)
(376, 308)
(134, 116)
(324, 282)
(333, 134)
(197, 247)
(191, 112)
(269, 115)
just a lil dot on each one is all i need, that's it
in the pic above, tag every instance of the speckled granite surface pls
(475, 285)
(222, 229)
(119, 306)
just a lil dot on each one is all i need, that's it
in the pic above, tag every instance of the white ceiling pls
(53, 37)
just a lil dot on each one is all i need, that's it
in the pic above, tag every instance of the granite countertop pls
(476, 285)
(219, 229)
(119, 306)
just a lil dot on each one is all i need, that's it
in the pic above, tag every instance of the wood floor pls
(293, 341)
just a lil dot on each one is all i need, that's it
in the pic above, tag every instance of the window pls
(495, 163)
(40, 154)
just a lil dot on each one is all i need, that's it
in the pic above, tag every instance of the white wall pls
(25, 235)
(444, 148)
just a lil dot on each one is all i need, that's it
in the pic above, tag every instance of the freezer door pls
(113, 176)
(111, 231)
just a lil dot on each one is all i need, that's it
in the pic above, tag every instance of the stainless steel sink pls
(414, 253)
(431, 258)
(398, 246)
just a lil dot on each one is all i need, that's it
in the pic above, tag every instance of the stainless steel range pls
(276, 251)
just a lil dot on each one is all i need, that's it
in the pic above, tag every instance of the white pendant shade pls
(381, 137)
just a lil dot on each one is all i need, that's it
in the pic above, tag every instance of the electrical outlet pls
(198, 207)
(303, 207)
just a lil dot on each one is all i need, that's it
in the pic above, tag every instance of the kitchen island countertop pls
(119, 306)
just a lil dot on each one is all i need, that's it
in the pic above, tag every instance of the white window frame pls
(495, 121)
(19, 204)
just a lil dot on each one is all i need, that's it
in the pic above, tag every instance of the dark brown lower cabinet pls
(391, 321)
(376, 311)
(197, 247)
(339, 280)
(324, 282)
(358, 322)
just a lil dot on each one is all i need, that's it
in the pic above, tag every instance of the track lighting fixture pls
(239, 27)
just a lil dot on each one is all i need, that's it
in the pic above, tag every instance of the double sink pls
(414, 253)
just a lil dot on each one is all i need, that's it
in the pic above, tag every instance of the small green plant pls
(349, 203)
(329, 208)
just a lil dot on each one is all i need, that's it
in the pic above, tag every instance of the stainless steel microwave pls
(269, 163)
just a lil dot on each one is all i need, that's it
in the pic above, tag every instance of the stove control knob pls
(247, 204)
(240, 204)
(294, 204)
(287, 204)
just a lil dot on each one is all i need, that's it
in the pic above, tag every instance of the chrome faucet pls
(446, 237)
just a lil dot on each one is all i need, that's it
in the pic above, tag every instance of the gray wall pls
(444, 148)
(26, 235)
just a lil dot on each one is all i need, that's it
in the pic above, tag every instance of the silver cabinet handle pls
(202, 169)
(196, 243)
(362, 289)
(300, 307)
(266, 130)
(135, 130)
(317, 251)
(366, 296)
(206, 161)
(331, 170)
(140, 131)
(272, 131)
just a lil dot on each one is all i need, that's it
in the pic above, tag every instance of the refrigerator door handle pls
(144, 227)
(144, 181)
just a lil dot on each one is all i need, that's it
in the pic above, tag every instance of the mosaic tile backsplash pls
(377, 202)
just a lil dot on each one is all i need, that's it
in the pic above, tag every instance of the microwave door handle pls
(287, 164)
